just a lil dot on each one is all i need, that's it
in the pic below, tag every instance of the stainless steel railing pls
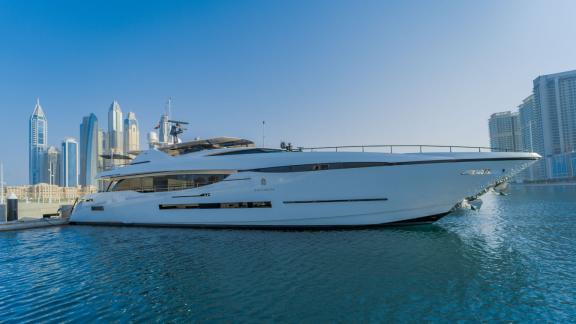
(408, 148)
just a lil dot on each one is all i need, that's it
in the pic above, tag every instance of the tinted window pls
(248, 151)
(172, 182)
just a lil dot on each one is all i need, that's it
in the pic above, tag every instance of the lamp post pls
(50, 180)
(50, 184)
(1, 183)
(263, 132)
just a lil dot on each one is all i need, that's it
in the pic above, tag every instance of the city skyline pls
(322, 73)
(545, 123)
(79, 161)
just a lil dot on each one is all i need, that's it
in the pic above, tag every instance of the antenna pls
(263, 137)
(168, 107)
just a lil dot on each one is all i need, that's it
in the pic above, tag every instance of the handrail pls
(419, 146)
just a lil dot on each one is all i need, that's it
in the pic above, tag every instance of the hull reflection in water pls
(511, 261)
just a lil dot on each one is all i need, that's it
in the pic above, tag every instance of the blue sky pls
(319, 72)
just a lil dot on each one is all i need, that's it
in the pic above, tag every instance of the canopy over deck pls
(206, 144)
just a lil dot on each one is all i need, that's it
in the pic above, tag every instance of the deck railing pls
(408, 148)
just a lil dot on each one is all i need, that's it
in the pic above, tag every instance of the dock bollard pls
(12, 214)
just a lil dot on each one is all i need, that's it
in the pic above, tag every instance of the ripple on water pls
(511, 261)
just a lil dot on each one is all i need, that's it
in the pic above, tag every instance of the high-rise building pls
(88, 150)
(53, 165)
(131, 134)
(152, 140)
(102, 148)
(164, 137)
(115, 129)
(37, 144)
(505, 131)
(555, 97)
(554, 123)
(69, 163)
(531, 139)
(164, 127)
(526, 113)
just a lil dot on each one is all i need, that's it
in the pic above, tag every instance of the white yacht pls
(228, 182)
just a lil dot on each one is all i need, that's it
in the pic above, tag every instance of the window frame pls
(166, 182)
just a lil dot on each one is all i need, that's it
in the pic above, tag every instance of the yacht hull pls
(394, 194)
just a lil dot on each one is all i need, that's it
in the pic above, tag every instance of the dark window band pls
(319, 167)
(353, 165)
(142, 162)
(333, 201)
(248, 151)
(193, 196)
(161, 183)
(228, 205)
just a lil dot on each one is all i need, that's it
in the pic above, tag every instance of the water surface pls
(514, 260)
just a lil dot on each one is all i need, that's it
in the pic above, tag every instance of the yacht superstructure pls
(228, 182)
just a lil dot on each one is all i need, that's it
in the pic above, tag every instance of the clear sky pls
(319, 72)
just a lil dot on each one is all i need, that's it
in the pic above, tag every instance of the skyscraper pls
(131, 134)
(69, 163)
(88, 150)
(53, 165)
(505, 131)
(115, 129)
(526, 112)
(554, 122)
(37, 145)
(531, 139)
(102, 148)
(152, 140)
(164, 137)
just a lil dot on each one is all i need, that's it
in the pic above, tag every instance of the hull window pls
(172, 182)
(227, 205)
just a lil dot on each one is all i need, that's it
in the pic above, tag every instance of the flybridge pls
(206, 144)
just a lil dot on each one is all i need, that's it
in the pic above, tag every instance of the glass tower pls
(88, 150)
(69, 165)
(37, 144)
(115, 129)
(131, 134)
(53, 165)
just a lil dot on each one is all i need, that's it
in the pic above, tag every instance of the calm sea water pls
(515, 260)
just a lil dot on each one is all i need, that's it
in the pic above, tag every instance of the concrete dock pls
(32, 223)
(31, 215)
